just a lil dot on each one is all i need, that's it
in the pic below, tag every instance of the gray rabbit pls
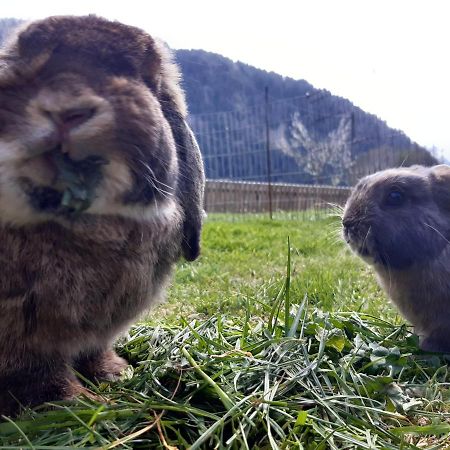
(398, 221)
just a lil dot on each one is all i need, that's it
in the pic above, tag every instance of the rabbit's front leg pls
(100, 365)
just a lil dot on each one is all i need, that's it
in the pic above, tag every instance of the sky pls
(389, 57)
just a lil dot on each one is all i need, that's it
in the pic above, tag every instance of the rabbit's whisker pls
(151, 178)
(437, 231)
(363, 245)
(389, 271)
(335, 210)
(149, 169)
(151, 181)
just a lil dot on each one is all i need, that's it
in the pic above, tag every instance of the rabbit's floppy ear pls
(190, 189)
(191, 183)
(440, 185)
(191, 178)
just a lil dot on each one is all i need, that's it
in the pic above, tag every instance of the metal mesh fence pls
(304, 152)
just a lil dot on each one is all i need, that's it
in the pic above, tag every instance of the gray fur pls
(406, 238)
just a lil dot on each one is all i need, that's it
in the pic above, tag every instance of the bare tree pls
(326, 156)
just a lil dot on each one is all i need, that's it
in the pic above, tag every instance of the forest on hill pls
(315, 137)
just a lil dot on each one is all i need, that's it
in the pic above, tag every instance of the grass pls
(279, 349)
(243, 261)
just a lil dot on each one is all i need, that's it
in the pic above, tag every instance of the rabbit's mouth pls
(376, 252)
(72, 190)
(357, 235)
(365, 251)
(360, 238)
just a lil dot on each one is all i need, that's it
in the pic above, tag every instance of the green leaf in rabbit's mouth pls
(73, 189)
(80, 179)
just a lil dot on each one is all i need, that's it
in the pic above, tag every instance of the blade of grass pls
(226, 400)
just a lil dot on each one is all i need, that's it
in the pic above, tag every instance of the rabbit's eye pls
(395, 198)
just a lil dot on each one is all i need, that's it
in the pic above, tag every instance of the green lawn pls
(244, 261)
(259, 347)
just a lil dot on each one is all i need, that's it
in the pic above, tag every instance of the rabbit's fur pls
(73, 278)
(398, 220)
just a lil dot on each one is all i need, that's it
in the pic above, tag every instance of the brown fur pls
(100, 365)
(70, 284)
(407, 241)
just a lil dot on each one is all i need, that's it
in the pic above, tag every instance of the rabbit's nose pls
(71, 118)
(348, 223)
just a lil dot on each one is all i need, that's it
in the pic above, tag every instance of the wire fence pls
(295, 150)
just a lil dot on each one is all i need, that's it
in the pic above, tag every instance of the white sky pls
(390, 57)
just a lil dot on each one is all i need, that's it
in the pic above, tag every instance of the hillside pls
(315, 137)
(214, 83)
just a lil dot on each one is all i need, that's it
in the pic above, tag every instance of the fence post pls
(269, 165)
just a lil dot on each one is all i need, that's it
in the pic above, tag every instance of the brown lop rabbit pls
(398, 221)
(101, 192)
